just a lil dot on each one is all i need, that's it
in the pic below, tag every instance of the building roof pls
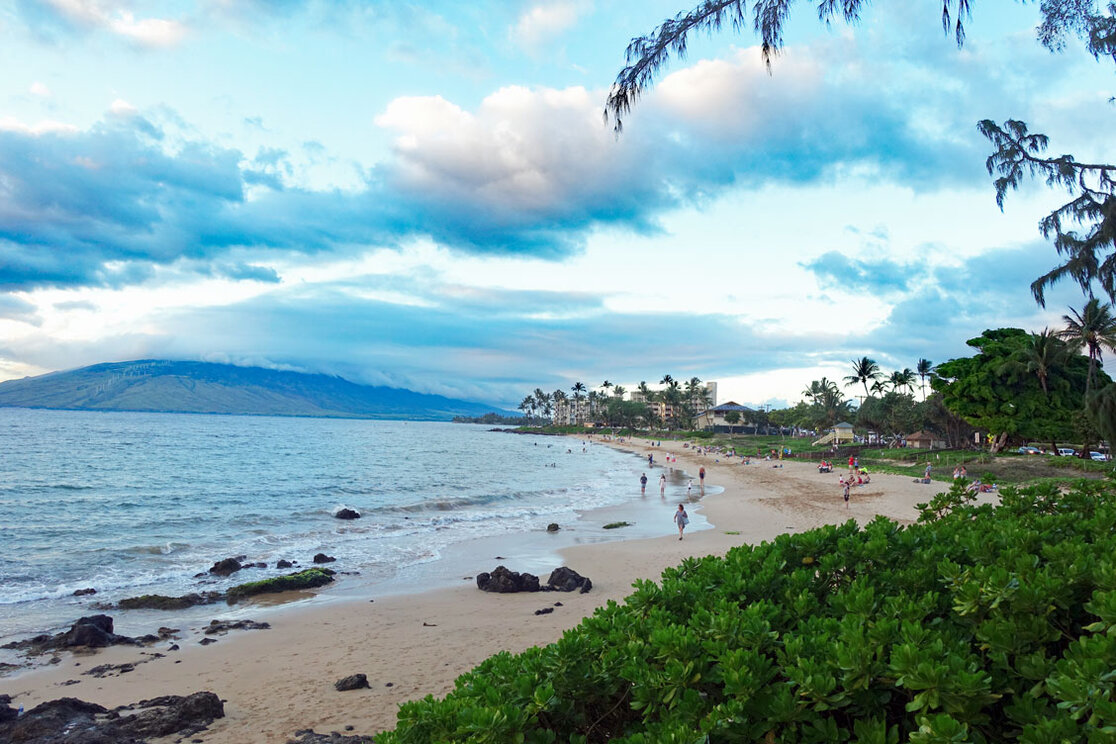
(726, 407)
(923, 436)
(843, 425)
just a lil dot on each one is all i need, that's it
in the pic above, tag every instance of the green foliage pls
(995, 389)
(977, 624)
(307, 579)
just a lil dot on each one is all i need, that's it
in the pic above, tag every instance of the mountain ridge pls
(161, 385)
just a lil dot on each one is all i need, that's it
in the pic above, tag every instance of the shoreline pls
(410, 645)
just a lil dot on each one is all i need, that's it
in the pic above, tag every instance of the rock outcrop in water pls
(73, 721)
(347, 514)
(94, 631)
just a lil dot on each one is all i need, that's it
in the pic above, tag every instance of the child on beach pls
(690, 487)
(662, 484)
(643, 483)
(847, 484)
(681, 519)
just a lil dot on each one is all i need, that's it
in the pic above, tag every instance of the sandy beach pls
(280, 680)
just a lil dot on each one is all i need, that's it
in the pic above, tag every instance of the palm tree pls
(924, 369)
(818, 389)
(1093, 329)
(606, 385)
(526, 405)
(904, 379)
(578, 388)
(559, 398)
(1044, 353)
(644, 391)
(618, 391)
(879, 387)
(864, 369)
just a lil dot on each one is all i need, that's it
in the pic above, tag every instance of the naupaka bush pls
(977, 624)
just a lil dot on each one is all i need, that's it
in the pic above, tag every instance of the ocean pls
(142, 503)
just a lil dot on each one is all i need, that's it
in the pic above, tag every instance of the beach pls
(280, 680)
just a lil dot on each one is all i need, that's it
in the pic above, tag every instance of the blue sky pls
(425, 194)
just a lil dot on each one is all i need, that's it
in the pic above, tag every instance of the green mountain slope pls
(201, 387)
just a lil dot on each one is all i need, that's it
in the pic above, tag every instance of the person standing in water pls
(681, 518)
(701, 478)
(643, 483)
(662, 485)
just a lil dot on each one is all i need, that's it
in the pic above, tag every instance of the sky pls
(426, 195)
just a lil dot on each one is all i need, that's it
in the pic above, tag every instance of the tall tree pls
(864, 369)
(1090, 256)
(924, 368)
(1043, 353)
(902, 379)
(1094, 330)
(578, 389)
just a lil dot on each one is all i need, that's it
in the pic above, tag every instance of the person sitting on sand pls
(681, 519)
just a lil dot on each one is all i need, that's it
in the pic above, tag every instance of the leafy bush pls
(974, 625)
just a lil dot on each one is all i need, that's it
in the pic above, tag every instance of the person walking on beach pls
(847, 484)
(701, 478)
(662, 485)
(643, 483)
(681, 518)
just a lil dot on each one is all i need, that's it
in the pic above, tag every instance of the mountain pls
(201, 387)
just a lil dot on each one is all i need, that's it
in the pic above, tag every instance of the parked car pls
(1067, 452)
(1098, 457)
(1030, 451)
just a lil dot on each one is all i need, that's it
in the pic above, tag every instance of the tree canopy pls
(997, 389)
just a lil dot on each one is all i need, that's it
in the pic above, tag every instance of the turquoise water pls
(138, 503)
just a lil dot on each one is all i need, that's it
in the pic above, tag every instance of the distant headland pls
(159, 385)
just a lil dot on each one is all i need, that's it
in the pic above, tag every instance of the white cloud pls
(523, 149)
(152, 32)
(543, 21)
(40, 89)
(113, 16)
(11, 124)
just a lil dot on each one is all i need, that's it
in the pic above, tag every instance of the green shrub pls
(977, 624)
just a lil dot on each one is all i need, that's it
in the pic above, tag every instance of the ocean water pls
(139, 503)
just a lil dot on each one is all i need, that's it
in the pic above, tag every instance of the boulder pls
(94, 631)
(553, 527)
(323, 558)
(172, 714)
(227, 567)
(162, 602)
(352, 682)
(7, 713)
(567, 580)
(64, 720)
(84, 592)
(224, 626)
(503, 581)
(283, 564)
(347, 514)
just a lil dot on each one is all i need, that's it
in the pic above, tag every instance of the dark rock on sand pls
(503, 581)
(544, 611)
(307, 736)
(63, 721)
(206, 641)
(224, 626)
(172, 714)
(567, 580)
(227, 567)
(323, 558)
(7, 713)
(283, 564)
(347, 514)
(352, 682)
